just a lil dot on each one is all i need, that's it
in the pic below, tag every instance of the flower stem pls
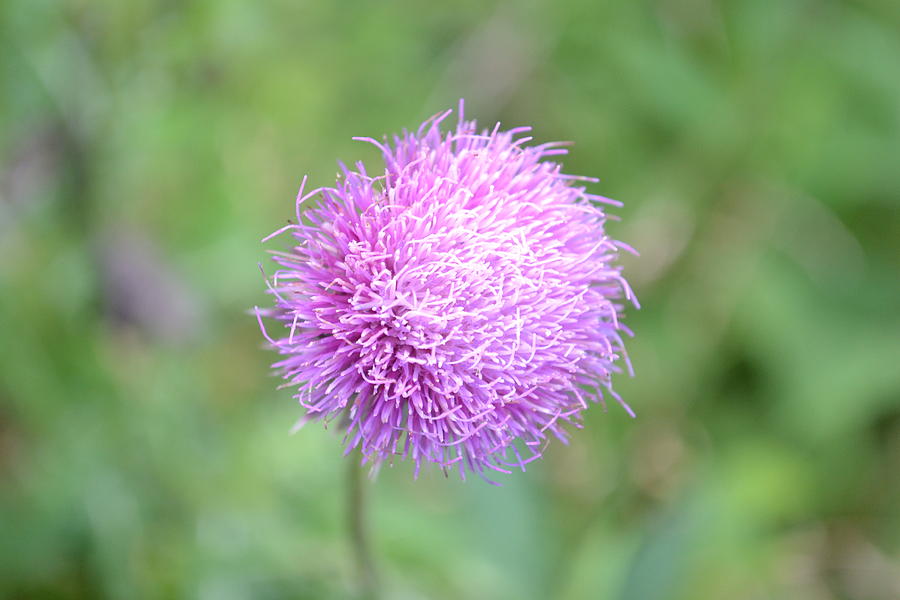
(359, 538)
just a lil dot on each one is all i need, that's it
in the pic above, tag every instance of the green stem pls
(359, 538)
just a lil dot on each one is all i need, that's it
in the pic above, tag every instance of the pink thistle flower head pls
(460, 307)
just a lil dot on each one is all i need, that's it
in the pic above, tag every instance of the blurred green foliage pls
(146, 147)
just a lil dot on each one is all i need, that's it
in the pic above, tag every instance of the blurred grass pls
(146, 147)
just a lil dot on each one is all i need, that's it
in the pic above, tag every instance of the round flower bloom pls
(455, 309)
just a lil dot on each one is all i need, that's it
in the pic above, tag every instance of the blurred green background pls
(147, 147)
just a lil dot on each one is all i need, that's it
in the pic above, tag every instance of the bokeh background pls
(146, 147)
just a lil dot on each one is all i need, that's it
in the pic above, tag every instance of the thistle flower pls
(457, 308)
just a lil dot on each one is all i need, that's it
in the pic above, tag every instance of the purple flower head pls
(458, 308)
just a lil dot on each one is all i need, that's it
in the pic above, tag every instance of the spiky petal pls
(458, 308)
